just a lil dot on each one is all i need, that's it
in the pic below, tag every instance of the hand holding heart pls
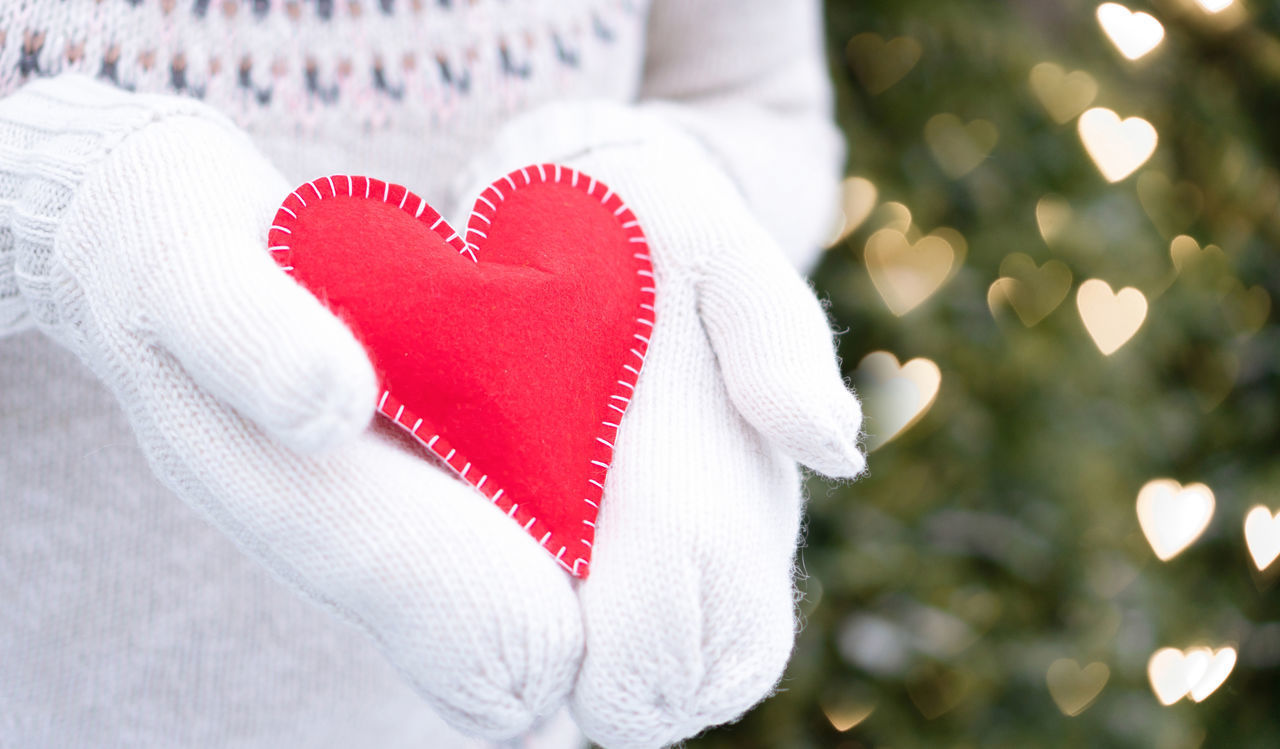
(520, 379)
(252, 403)
(688, 611)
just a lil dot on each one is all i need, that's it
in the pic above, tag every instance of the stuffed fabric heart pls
(512, 354)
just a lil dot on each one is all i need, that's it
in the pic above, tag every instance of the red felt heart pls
(511, 355)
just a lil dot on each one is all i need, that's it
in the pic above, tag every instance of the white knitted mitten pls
(689, 609)
(134, 230)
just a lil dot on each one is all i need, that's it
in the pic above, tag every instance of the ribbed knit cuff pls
(53, 132)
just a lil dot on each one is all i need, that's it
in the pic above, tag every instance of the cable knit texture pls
(133, 214)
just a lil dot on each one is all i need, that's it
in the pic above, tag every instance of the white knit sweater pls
(127, 620)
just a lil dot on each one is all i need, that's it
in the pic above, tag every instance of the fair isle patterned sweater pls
(332, 84)
(128, 621)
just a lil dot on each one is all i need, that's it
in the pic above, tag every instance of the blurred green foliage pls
(998, 534)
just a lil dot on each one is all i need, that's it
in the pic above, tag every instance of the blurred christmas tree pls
(991, 584)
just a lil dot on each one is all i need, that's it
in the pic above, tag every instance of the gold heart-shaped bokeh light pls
(1172, 516)
(1221, 663)
(1053, 216)
(1195, 673)
(1186, 253)
(844, 714)
(894, 396)
(1110, 317)
(959, 147)
(936, 690)
(1134, 33)
(880, 64)
(1063, 95)
(1204, 267)
(906, 273)
(891, 215)
(1117, 147)
(1168, 672)
(1074, 688)
(1262, 536)
(1214, 6)
(1032, 291)
(858, 197)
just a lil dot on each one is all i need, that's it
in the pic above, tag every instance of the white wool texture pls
(205, 539)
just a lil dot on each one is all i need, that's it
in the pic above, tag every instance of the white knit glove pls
(689, 608)
(133, 229)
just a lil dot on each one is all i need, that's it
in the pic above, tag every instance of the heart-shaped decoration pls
(1033, 291)
(1218, 667)
(1074, 688)
(1063, 95)
(896, 396)
(844, 714)
(906, 274)
(1187, 254)
(857, 200)
(891, 215)
(1214, 6)
(1262, 536)
(936, 690)
(510, 355)
(1110, 317)
(1053, 217)
(1196, 673)
(1206, 269)
(1172, 516)
(1170, 675)
(1134, 33)
(959, 147)
(1117, 147)
(880, 64)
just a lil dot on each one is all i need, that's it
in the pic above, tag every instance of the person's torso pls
(126, 620)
